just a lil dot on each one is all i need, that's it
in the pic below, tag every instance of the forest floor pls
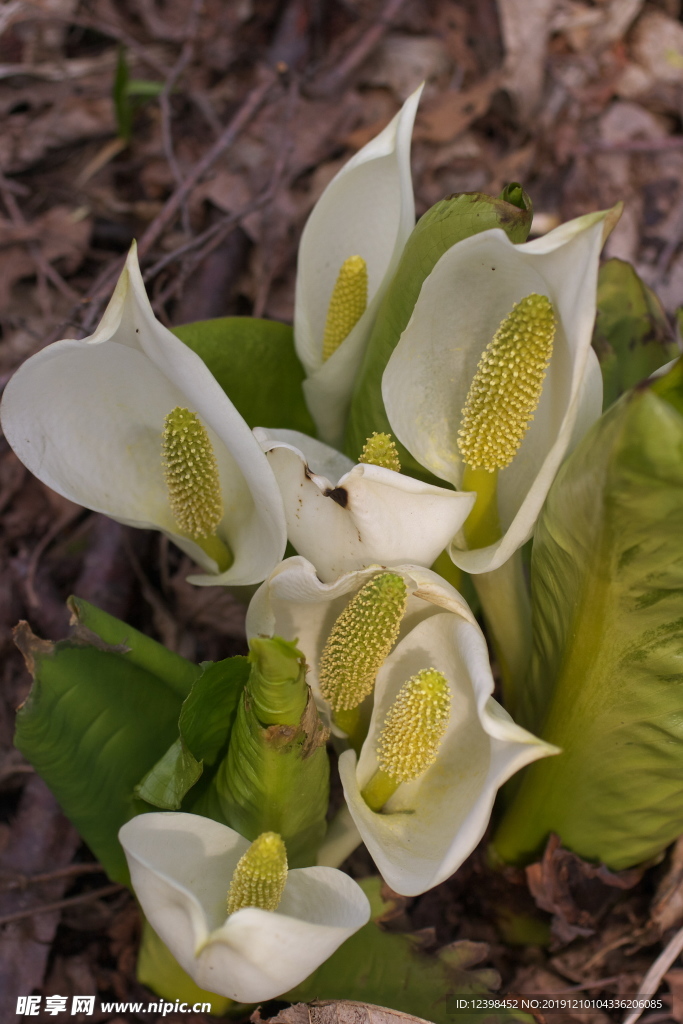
(235, 118)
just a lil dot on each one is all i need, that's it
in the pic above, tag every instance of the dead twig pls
(653, 978)
(70, 901)
(24, 881)
(333, 81)
(252, 103)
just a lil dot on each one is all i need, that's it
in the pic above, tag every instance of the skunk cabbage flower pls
(294, 602)
(437, 750)
(343, 515)
(494, 378)
(131, 422)
(234, 917)
(349, 251)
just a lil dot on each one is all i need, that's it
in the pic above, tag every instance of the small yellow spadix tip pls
(414, 726)
(360, 640)
(260, 876)
(506, 388)
(191, 471)
(380, 450)
(347, 304)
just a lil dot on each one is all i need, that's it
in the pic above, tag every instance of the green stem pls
(217, 549)
(483, 524)
(379, 789)
(505, 601)
(351, 722)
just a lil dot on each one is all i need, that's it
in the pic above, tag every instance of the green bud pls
(447, 222)
(275, 777)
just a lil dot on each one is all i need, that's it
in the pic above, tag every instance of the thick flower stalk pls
(131, 423)
(349, 250)
(343, 516)
(233, 915)
(438, 749)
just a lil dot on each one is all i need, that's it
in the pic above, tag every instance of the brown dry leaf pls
(537, 980)
(41, 840)
(26, 139)
(658, 46)
(453, 112)
(674, 980)
(342, 1011)
(402, 62)
(61, 236)
(575, 892)
(525, 26)
(667, 906)
(594, 27)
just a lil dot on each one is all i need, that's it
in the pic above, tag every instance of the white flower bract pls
(86, 417)
(367, 210)
(430, 825)
(181, 866)
(462, 303)
(343, 515)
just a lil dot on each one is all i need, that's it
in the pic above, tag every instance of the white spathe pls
(181, 866)
(86, 417)
(472, 288)
(430, 825)
(295, 604)
(343, 515)
(367, 210)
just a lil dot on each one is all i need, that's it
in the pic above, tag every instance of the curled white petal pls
(181, 866)
(366, 210)
(470, 291)
(431, 825)
(86, 417)
(367, 516)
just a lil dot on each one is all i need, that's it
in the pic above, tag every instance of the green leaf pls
(204, 727)
(607, 674)
(388, 969)
(445, 224)
(92, 725)
(177, 672)
(255, 363)
(632, 336)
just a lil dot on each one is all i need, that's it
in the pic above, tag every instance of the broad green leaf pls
(388, 969)
(204, 727)
(255, 363)
(448, 222)
(607, 674)
(178, 673)
(632, 335)
(92, 725)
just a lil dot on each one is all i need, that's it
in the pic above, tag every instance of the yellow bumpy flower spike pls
(506, 388)
(411, 736)
(260, 876)
(194, 488)
(500, 405)
(348, 303)
(380, 450)
(360, 640)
